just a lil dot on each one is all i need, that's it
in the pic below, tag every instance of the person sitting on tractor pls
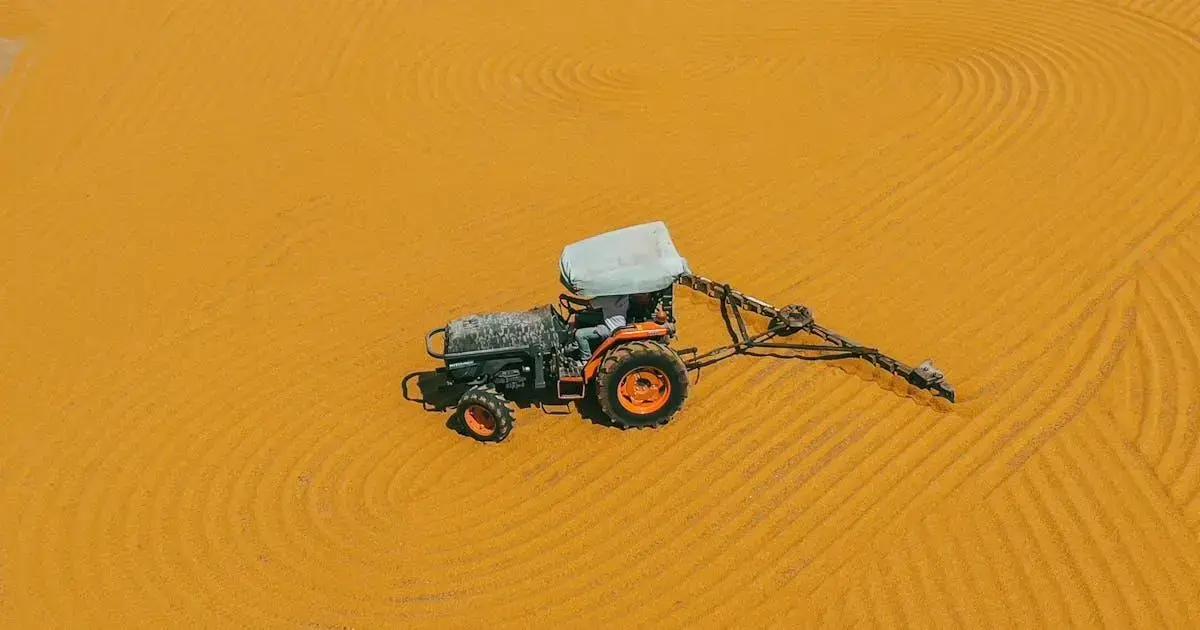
(614, 309)
(615, 312)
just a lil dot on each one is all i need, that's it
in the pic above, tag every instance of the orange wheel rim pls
(480, 421)
(644, 390)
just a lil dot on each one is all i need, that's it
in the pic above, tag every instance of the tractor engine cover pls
(538, 328)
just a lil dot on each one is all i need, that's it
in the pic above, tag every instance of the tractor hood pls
(537, 328)
(636, 259)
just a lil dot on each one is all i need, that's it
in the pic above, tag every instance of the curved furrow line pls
(1178, 403)
(547, 513)
(942, 112)
(1106, 516)
(110, 509)
(1125, 389)
(977, 320)
(362, 555)
(1075, 386)
(984, 575)
(522, 74)
(517, 80)
(1182, 15)
(918, 597)
(947, 102)
(902, 507)
(980, 89)
(833, 290)
(976, 437)
(1087, 610)
(159, 482)
(244, 449)
(1186, 486)
(902, 593)
(600, 85)
(1174, 566)
(1041, 538)
(1037, 76)
(1025, 604)
(1081, 235)
(312, 466)
(1178, 287)
(1011, 113)
(1149, 380)
(996, 76)
(1156, 370)
(429, 78)
(1099, 351)
(62, 460)
(939, 566)
(826, 515)
(841, 479)
(826, 449)
(1168, 515)
(1047, 478)
(650, 516)
(959, 581)
(265, 505)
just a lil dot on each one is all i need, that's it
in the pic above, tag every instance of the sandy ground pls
(227, 226)
(8, 54)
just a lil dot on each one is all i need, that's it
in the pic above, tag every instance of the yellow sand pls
(227, 225)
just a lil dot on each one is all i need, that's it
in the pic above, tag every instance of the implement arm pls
(790, 320)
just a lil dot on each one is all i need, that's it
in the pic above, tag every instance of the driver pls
(615, 310)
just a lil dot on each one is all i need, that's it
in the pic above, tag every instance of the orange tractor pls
(635, 376)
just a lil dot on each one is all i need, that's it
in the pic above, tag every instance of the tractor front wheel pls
(641, 384)
(485, 415)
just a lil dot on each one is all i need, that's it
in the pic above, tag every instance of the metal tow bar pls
(792, 319)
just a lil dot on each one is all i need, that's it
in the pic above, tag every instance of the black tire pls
(667, 387)
(484, 415)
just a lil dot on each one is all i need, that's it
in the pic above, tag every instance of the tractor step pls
(571, 388)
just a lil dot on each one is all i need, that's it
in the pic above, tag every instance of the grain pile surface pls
(225, 227)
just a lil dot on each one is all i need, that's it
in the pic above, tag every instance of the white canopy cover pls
(636, 259)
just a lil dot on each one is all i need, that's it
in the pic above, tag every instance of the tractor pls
(636, 378)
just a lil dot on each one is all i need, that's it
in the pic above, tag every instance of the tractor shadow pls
(435, 395)
(589, 409)
(432, 391)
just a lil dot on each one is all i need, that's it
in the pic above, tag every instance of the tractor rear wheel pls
(485, 415)
(641, 384)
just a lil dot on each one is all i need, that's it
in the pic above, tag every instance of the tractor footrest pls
(571, 388)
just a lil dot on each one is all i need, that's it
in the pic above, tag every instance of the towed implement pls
(634, 375)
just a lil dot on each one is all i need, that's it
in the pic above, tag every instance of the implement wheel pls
(484, 415)
(641, 384)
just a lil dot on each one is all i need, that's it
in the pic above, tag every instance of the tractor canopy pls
(636, 259)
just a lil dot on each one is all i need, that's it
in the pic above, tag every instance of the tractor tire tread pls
(615, 358)
(502, 408)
